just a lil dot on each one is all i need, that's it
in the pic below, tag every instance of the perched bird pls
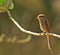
(44, 26)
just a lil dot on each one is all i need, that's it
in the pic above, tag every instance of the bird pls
(45, 27)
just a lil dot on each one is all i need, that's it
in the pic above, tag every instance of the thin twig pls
(30, 32)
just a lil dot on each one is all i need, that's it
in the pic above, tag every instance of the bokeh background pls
(25, 13)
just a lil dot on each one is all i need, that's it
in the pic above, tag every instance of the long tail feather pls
(48, 42)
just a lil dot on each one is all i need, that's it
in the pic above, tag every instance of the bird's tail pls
(48, 42)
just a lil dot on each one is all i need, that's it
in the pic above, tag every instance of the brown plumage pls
(44, 26)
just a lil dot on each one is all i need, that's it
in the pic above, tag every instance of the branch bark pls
(30, 32)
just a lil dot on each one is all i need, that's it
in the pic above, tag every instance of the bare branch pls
(29, 32)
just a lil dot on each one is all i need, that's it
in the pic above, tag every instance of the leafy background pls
(25, 13)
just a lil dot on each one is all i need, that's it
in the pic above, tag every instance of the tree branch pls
(30, 32)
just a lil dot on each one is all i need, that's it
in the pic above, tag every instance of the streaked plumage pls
(44, 26)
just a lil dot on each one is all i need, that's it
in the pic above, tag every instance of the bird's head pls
(41, 16)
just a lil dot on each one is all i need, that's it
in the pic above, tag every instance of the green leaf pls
(2, 2)
(6, 4)
(11, 5)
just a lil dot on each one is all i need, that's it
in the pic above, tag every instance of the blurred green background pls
(25, 13)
